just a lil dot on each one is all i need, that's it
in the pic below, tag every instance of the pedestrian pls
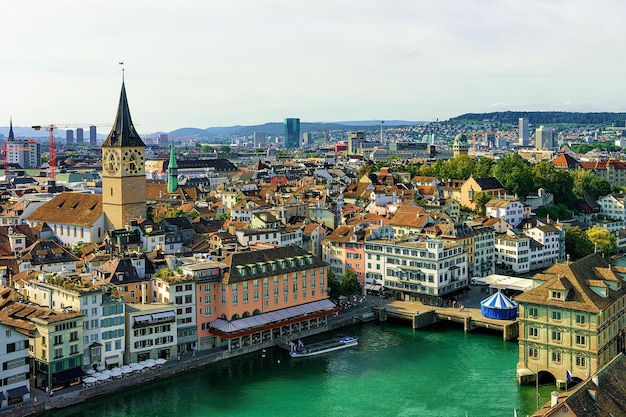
(47, 390)
(193, 353)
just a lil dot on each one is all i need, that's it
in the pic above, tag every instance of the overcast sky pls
(203, 63)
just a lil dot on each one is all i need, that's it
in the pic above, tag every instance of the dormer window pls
(556, 295)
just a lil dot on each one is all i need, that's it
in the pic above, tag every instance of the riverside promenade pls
(40, 402)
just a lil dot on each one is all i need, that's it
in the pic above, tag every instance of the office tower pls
(292, 133)
(79, 135)
(523, 132)
(163, 140)
(356, 140)
(260, 139)
(93, 136)
(69, 136)
(544, 138)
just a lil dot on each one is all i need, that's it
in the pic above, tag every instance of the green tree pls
(555, 181)
(350, 284)
(483, 168)
(586, 184)
(460, 167)
(603, 240)
(557, 212)
(514, 174)
(480, 200)
(577, 243)
(334, 285)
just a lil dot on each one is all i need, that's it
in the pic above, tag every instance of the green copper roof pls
(123, 132)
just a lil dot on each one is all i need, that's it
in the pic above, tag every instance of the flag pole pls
(537, 386)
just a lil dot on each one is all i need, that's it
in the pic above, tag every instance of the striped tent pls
(499, 307)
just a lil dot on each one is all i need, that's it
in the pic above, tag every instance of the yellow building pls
(574, 322)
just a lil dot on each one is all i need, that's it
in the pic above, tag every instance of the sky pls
(208, 63)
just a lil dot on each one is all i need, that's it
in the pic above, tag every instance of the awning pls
(2, 397)
(142, 318)
(164, 315)
(67, 375)
(373, 287)
(18, 392)
(110, 358)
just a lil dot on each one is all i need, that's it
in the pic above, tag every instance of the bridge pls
(421, 315)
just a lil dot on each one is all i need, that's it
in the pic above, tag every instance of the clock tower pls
(123, 170)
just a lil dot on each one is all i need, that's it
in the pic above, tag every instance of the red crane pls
(50, 129)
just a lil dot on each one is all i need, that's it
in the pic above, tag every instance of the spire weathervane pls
(122, 64)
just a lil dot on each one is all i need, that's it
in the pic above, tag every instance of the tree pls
(557, 212)
(480, 200)
(586, 184)
(460, 167)
(483, 168)
(555, 181)
(603, 240)
(515, 174)
(577, 243)
(334, 285)
(350, 284)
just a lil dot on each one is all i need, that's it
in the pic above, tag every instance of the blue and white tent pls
(498, 307)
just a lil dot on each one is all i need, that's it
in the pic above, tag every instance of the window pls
(581, 340)
(580, 361)
(580, 319)
(533, 353)
(533, 332)
(556, 357)
(556, 315)
(556, 336)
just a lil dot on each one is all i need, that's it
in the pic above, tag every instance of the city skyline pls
(192, 64)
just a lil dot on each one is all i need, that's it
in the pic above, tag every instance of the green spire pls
(172, 172)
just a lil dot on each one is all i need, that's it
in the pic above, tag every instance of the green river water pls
(395, 371)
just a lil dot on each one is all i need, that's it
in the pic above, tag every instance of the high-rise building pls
(544, 138)
(69, 136)
(356, 140)
(524, 138)
(93, 136)
(292, 133)
(260, 139)
(79, 135)
(21, 152)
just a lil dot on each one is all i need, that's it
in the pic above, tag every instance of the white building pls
(544, 138)
(14, 372)
(613, 206)
(181, 291)
(512, 211)
(150, 332)
(417, 270)
(284, 237)
(25, 153)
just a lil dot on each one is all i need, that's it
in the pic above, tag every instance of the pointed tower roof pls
(11, 135)
(172, 163)
(123, 132)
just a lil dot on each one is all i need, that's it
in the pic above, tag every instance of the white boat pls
(324, 347)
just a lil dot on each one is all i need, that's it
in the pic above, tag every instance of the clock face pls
(132, 160)
(111, 162)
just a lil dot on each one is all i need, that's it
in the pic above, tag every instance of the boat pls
(324, 347)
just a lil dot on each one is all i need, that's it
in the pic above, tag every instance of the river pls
(395, 371)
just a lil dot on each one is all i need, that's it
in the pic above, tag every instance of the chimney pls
(554, 398)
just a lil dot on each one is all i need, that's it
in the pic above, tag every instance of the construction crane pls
(50, 129)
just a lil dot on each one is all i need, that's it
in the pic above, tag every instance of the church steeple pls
(123, 132)
(11, 135)
(172, 172)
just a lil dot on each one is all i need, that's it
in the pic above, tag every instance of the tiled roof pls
(267, 256)
(578, 277)
(70, 208)
(45, 252)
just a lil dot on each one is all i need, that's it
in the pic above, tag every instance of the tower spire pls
(11, 135)
(172, 171)
(123, 132)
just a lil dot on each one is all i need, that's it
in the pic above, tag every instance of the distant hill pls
(546, 117)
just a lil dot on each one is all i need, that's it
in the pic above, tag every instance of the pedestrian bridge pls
(421, 316)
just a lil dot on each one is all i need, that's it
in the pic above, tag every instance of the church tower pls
(460, 146)
(172, 172)
(123, 170)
